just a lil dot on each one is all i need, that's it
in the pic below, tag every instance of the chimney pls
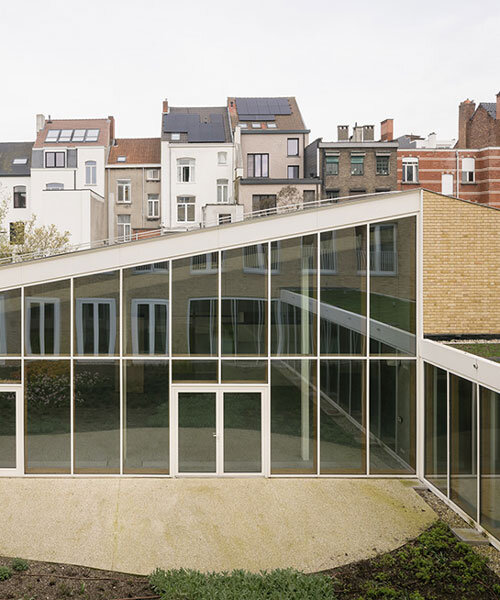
(40, 122)
(368, 133)
(111, 130)
(465, 111)
(387, 130)
(357, 133)
(165, 106)
(342, 133)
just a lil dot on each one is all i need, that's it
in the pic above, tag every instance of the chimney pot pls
(387, 130)
(40, 122)
(342, 133)
(165, 105)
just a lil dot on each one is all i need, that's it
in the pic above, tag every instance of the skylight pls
(256, 125)
(52, 135)
(72, 135)
(65, 135)
(20, 161)
(92, 135)
(271, 125)
(79, 135)
(121, 159)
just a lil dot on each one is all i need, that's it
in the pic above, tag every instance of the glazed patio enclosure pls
(283, 346)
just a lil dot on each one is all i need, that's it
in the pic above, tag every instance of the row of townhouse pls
(215, 164)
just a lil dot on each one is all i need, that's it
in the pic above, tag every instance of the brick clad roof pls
(490, 107)
(138, 151)
(104, 126)
(291, 122)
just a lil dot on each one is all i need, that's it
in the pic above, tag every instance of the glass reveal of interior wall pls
(10, 323)
(293, 416)
(146, 415)
(392, 416)
(47, 402)
(490, 461)
(197, 432)
(436, 430)
(244, 301)
(97, 311)
(294, 296)
(463, 444)
(195, 305)
(145, 308)
(97, 416)
(47, 319)
(242, 432)
(393, 287)
(343, 291)
(8, 430)
(342, 416)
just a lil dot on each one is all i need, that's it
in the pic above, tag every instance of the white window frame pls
(153, 175)
(90, 172)
(95, 302)
(151, 303)
(186, 170)
(157, 267)
(209, 264)
(222, 158)
(222, 191)
(181, 203)
(468, 170)
(153, 203)
(410, 165)
(332, 265)
(260, 264)
(213, 321)
(376, 261)
(127, 228)
(126, 187)
(42, 302)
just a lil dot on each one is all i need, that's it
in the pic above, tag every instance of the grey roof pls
(202, 124)
(262, 109)
(11, 150)
(491, 107)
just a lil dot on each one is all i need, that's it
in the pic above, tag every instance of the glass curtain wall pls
(245, 315)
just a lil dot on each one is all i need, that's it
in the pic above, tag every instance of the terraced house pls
(294, 344)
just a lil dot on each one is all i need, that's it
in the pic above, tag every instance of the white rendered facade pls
(7, 189)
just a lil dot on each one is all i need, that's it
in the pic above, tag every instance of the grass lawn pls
(491, 351)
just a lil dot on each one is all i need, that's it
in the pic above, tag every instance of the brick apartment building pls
(470, 169)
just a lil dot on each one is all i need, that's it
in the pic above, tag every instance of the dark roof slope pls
(490, 107)
(284, 111)
(11, 150)
(138, 151)
(209, 124)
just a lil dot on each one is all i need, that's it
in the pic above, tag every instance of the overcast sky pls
(344, 61)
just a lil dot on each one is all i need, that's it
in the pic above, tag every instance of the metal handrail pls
(162, 231)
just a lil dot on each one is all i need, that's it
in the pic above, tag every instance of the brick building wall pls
(461, 267)
(433, 163)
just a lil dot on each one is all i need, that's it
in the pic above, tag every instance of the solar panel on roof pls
(197, 131)
(261, 107)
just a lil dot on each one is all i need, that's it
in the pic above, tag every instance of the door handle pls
(214, 434)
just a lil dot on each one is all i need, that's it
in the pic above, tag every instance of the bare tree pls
(287, 196)
(27, 237)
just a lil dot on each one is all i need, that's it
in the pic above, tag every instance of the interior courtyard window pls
(19, 196)
(382, 164)
(153, 206)
(124, 227)
(468, 169)
(185, 170)
(357, 164)
(222, 190)
(55, 160)
(186, 206)
(258, 165)
(90, 172)
(410, 170)
(331, 165)
(292, 146)
(123, 189)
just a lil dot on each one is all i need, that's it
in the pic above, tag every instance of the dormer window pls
(55, 160)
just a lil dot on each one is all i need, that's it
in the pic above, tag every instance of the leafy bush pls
(5, 573)
(240, 585)
(19, 564)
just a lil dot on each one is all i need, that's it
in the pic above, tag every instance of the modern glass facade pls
(295, 356)
(462, 444)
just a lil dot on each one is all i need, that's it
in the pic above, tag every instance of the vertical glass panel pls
(342, 416)
(48, 417)
(97, 305)
(436, 419)
(343, 291)
(10, 371)
(195, 371)
(393, 287)
(293, 297)
(293, 416)
(244, 301)
(242, 432)
(463, 444)
(392, 416)
(145, 305)
(490, 461)
(244, 371)
(8, 430)
(10, 323)
(146, 435)
(47, 319)
(197, 431)
(97, 416)
(195, 305)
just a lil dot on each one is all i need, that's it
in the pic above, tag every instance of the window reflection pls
(436, 418)
(490, 461)
(10, 323)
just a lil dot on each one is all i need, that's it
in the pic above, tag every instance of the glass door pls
(10, 428)
(219, 430)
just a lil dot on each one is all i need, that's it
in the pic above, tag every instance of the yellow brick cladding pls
(461, 267)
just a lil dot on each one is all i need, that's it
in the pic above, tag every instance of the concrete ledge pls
(137, 524)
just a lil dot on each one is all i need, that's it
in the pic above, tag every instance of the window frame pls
(468, 175)
(95, 302)
(18, 195)
(412, 163)
(55, 154)
(127, 235)
(186, 165)
(124, 184)
(151, 303)
(222, 186)
(191, 201)
(330, 161)
(262, 160)
(42, 301)
(150, 175)
(379, 171)
(357, 166)
(223, 155)
(90, 172)
(293, 169)
(153, 202)
(295, 141)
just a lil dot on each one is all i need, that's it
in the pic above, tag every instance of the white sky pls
(345, 61)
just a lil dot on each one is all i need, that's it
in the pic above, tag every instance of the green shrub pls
(19, 564)
(5, 573)
(240, 585)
